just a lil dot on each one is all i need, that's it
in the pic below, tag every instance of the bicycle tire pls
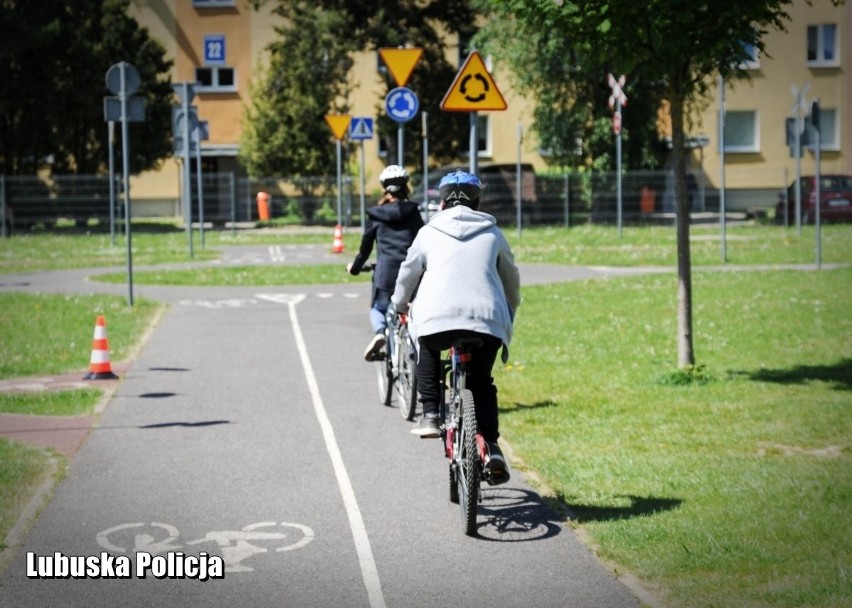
(454, 484)
(384, 377)
(406, 388)
(469, 473)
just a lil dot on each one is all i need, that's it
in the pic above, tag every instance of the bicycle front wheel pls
(469, 472)
(406, 380)
(384, 377)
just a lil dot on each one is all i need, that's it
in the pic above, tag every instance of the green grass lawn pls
(731, 491)
(581, 245)
(728, 486)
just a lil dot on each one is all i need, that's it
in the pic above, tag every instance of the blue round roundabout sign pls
(402, 104)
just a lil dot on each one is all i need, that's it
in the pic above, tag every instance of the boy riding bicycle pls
(467, 284)
(391, 225)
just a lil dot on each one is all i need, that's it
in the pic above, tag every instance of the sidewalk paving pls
(65, 434)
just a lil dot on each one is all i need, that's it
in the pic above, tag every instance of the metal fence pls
(557, 199)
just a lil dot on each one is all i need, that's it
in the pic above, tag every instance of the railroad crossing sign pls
(474, 89)
(361, 127)
(402, 104)
(400, 62)
(618, 98)
(339, 124)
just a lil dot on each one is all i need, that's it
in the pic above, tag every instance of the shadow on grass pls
(639, 506)
(839, 375)
(519, 407)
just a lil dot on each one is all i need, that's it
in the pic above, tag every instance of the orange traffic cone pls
(99, 366)
(337, 244)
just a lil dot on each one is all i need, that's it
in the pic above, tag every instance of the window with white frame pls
(742, 133)
(216, 79)
(829, 130)
(822, 45)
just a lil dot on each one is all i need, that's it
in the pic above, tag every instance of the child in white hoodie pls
(467, 284)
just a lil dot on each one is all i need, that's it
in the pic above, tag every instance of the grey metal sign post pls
(799, 108)
(360, 129)
(814, 120)
(200, 133)
(723, 235)
(618, 100)
(110, 145)
(123, 80)
(184, 119)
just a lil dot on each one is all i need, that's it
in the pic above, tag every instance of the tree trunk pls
(685, 351)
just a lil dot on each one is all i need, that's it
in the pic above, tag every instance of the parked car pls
(835, 200)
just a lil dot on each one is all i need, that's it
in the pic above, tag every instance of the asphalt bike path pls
(249, 428)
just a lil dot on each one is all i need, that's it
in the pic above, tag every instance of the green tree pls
(568, 86)
(298, 83)
(54, 56)
(430, 26)
(680, 46)
(285, 132)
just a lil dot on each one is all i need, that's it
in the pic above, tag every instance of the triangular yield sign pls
(400, 62)
(339, 124)
(474, 89)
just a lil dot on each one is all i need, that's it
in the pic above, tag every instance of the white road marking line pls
(276, 254)
(369, 572)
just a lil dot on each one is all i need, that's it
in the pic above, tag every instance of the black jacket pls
(392, 227)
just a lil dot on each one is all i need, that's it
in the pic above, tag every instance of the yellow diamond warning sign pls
(339, 124)
(474, 89)
(400, 62)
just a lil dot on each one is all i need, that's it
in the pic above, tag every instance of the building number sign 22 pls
(214, 49)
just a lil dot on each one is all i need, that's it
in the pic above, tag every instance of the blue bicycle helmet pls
(460, 188)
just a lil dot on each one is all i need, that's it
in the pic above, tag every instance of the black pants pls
(480, 382)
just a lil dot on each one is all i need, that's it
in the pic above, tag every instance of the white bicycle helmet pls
(393, 178)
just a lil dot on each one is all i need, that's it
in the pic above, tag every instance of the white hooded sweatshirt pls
(464, 276)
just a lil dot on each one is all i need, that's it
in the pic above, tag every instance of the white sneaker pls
(375, 347)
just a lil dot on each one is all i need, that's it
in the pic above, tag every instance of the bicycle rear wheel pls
(469, 472)
(406, 380)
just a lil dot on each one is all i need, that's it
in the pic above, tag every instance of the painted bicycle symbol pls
(235, 546)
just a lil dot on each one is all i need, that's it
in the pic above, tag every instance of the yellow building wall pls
(180, 28)
(769, 92)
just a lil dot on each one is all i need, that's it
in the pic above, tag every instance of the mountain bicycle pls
(397, 362)
(464, 446)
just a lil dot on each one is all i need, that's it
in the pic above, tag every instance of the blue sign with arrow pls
(402, 104)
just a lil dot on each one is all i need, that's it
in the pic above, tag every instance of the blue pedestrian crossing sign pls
(361, 128)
